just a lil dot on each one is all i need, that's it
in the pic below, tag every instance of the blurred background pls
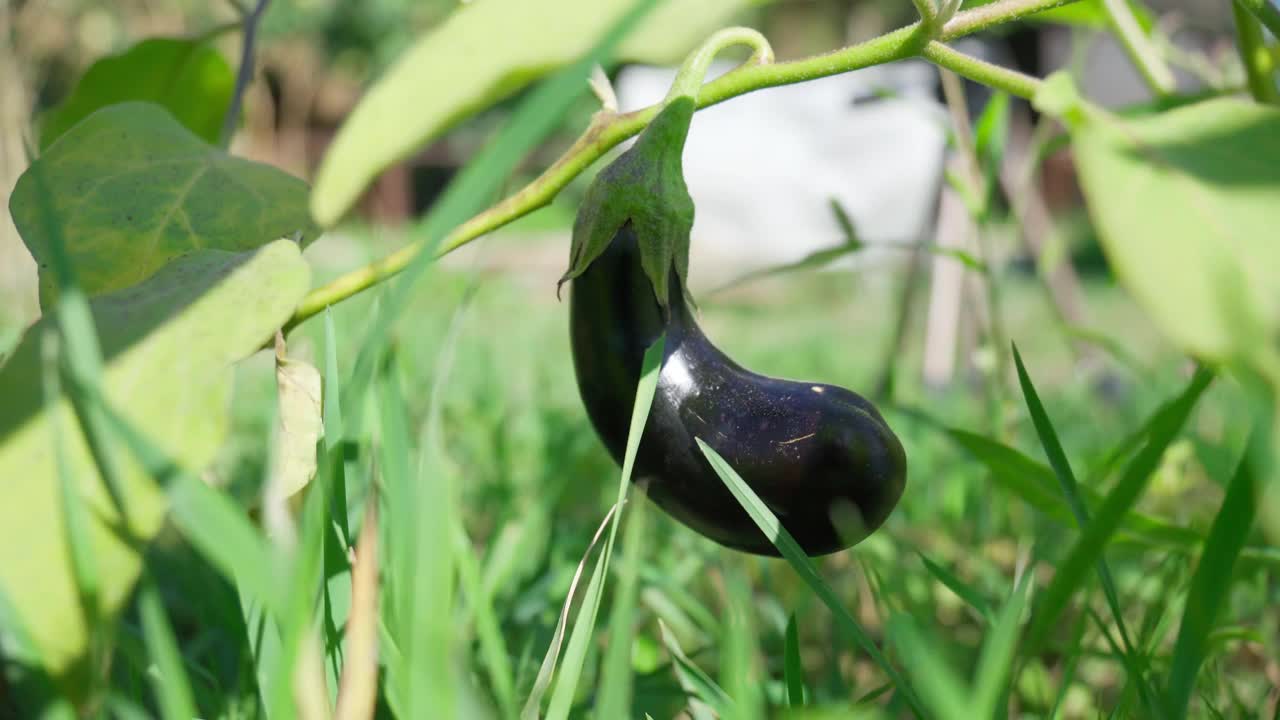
(763, 169)
(852, 168)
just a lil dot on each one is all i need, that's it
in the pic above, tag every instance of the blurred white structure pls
(763, 167)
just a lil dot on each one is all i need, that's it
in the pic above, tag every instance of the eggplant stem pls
(694, 69)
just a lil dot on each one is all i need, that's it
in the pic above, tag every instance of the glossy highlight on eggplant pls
(821, 457)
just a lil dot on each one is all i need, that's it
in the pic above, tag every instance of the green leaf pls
(1088, 549)
(170, 678)
(134, 189)
(1212, 580)
(167, 346)
(991, 134)
(1059, 97)
(188, 77)
(1185, 204)
(847, 227)
(642, 190)
(483, 52)
(298, 425)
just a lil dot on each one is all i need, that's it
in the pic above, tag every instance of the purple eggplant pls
(821, 457)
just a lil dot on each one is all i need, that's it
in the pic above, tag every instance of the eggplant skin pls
(821, 457)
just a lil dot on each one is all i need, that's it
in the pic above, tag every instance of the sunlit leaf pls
(167, 344)
(133, 189)
(1185, 203)
(187, 77)
(483, 52)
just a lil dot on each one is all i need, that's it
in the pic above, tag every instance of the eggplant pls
(820, 456)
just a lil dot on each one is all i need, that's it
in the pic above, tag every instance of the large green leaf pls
(134, 189)
(168, 344)
(482, 53)
(1186, 206)
(189, 77)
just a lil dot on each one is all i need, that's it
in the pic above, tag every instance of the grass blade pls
(358, 688)
(939, 685)
(962, 590)
(173, 689)
(792, 669)
(82, 353)
(1074, 654)
(738, 668)
(211, 521)
(534, 118)
(533, 704)
(1070, 490)
(1069, 576)
(996, 660)
(334, 428)
(616, 680)
(74, 518)
(493, 646)
(693, 680)
(575, 655)
(1212, 579)
(769, 525)
(219, 530)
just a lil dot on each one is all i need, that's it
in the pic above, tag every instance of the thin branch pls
(927, 10)
(245, 75)
(958, 108)
(1259, 66)
(990, 74)
(608, 129)
(996, 13)
(1139, 47)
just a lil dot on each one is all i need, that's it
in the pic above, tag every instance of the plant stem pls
(927, 10)
(990, 74)
(689, 79)
(1139, 47)
(957, 106)
(996, 13)
(1266, 11)
(245, 75)
(608, 129)
(1258, 63)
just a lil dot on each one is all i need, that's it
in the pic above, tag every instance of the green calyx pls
(644, 187)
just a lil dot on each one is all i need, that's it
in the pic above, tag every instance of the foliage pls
(400, 526)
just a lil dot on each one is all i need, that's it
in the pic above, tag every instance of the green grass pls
(470, 437)
(452, 417)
